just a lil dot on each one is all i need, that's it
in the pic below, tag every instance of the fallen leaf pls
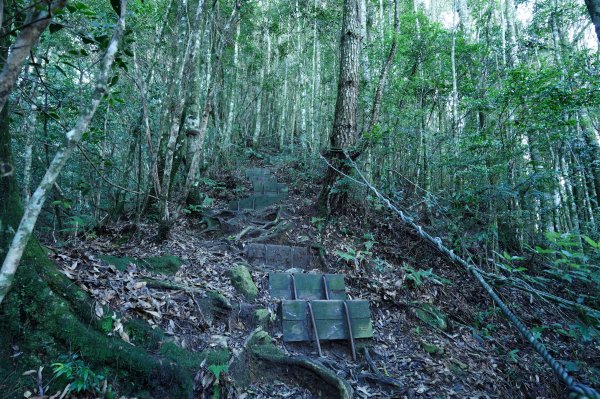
(98, 309)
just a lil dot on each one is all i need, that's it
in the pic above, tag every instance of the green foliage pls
(513, 356)
(217, 370)
(65, 204)
(369, 241)
(582, 331)
(431, 315)
(507, 262)
(212, 184)
(80, 377)
(484, 321)
(350, 255)
(353, 257)
(572, 257)
(318, 222)
(206, 204)
(418, 277)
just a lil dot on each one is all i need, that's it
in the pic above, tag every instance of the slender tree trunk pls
(512, 31)
(384, 73)
(191, 48)
(285, 106)
(29, 131)
(464, 16)
(258, 115)
(229, 125)
(197, 128)
(591, 139)
(455, 122)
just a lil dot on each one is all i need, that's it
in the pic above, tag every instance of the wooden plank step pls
(330, 320)
(309, 286)
(282, 256)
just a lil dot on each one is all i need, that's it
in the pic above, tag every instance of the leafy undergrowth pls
(437, 334)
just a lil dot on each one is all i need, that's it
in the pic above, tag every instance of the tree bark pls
(198, 123)
(343, 134)
(192, 45)
(384, 73)
(229, 125)
(34, 26)
(593, 7)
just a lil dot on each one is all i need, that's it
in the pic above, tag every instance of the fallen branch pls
(523, 286)
(381, 379)
(152, 283)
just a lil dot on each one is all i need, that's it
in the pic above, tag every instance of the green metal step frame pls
(307, 286)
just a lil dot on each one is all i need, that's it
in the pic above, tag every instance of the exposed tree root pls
(266, 235)
(46, 315)
(263, 356)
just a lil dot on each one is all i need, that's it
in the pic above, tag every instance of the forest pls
(299, 199)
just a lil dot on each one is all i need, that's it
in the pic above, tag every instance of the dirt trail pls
(435, 334)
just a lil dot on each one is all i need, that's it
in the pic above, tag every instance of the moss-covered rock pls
(432, 349)
(165, 264)
(242, 281)
(219, 302)
(263, 317)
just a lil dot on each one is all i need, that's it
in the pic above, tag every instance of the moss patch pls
(242, 281)
(219, 301)
(263, 317)
(191, 360)
(165, 264)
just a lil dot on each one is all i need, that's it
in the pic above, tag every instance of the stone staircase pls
(312, 306)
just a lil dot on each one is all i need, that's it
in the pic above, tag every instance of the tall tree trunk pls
(29, 131)
(591, 139)
(197, 123)
(229, 125)
(258, 115)
(343, 134)
(384, 73)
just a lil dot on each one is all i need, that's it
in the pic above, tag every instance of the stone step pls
(257, 172)
(280, 256)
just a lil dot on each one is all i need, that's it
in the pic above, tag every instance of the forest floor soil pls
(475, 353)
